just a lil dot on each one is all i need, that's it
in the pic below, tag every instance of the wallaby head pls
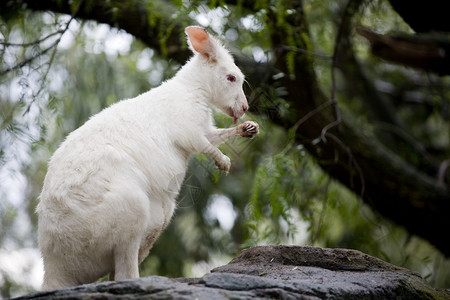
(219, 74)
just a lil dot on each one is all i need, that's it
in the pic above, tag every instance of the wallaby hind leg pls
(111, 275)
(126, 262)
(56, 277)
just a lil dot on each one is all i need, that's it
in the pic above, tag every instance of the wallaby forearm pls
(221, 135)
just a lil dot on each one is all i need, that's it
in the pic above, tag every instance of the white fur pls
(111, 186)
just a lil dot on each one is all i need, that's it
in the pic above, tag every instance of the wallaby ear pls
(200, 41)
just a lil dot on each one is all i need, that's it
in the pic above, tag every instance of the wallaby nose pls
(244, 107)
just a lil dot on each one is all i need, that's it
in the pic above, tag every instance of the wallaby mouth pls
(237, 110)
(233, 114)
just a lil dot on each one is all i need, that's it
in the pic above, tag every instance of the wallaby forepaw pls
(249, 129)
(224, 163)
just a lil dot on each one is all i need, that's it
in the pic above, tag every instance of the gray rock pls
(273, 272)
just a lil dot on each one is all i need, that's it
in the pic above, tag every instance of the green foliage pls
(272, 195)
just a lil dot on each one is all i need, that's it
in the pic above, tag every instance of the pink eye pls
(231, 78)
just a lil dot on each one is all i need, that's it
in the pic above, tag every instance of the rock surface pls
(273, 272)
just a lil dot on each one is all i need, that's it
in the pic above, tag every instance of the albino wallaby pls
(109, 190)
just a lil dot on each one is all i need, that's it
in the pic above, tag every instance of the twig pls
(322, 212)
(54, 44)
(442, 169)
(28, 60)
(343, 28)
(333, 100)
(52, 57)
(306, 52)
(311, 114)
(7, 44)
(352, 162)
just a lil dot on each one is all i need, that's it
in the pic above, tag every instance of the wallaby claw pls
(249, 129)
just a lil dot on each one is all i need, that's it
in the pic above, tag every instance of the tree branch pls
(28, 60)
(149, 25)
(427, 52)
